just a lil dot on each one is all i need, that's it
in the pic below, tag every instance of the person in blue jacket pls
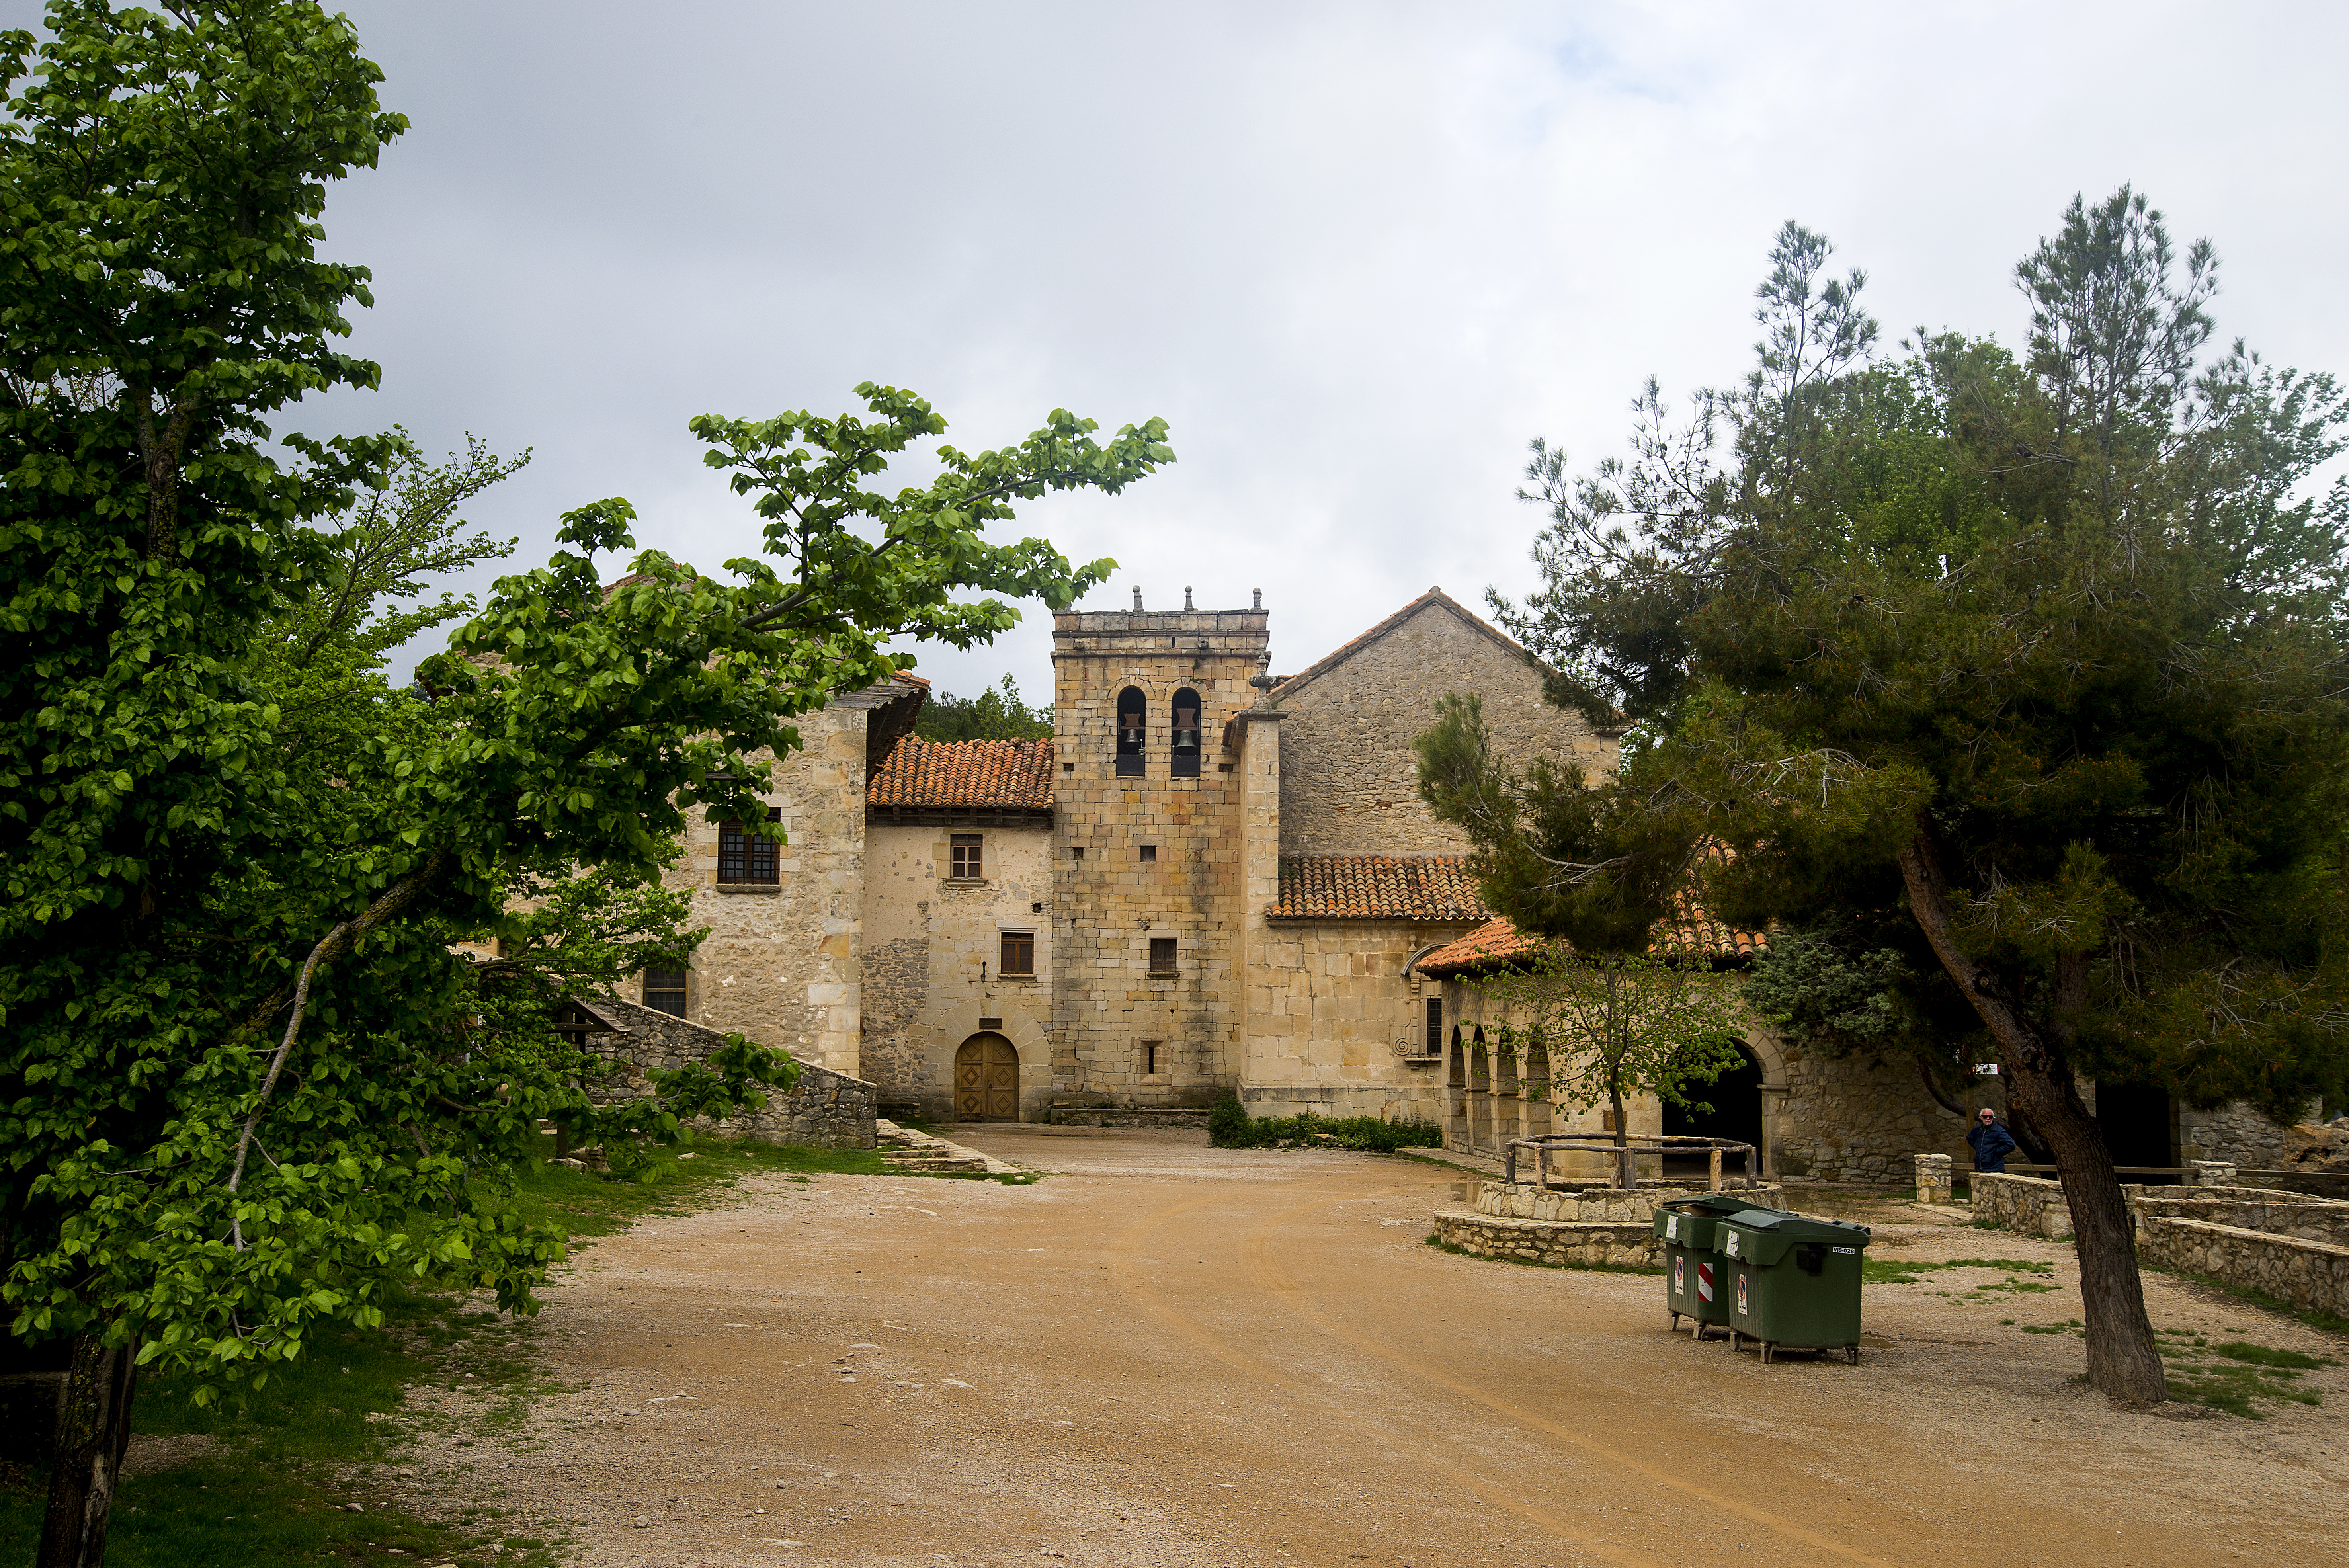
(1991, 1143)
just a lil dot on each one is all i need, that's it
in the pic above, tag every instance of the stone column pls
(1932, 1178)
(2214, 1172)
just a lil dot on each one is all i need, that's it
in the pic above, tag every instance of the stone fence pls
(2311, 1275)
(2309, 1219)
(1583, 1227)
(2026, 1203)
(824, 1108)
(2292, 1248)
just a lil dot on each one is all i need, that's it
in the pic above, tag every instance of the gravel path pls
(1173, 1355)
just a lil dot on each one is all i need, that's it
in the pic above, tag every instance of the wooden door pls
(987, 1081)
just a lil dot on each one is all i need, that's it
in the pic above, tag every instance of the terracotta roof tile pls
(1690, 933)
(1015, 775)
(1492, 942)
(1377, 887)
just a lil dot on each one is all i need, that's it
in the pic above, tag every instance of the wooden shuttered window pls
(1018, 952)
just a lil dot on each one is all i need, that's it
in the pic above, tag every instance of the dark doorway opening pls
(2137, 1120)
(1736, 1100)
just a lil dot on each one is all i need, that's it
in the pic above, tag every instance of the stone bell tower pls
(1147, 904)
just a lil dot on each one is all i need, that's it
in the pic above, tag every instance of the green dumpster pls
(1790, 1282)
(1693, 1275)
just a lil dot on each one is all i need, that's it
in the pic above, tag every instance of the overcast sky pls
(1356, 254)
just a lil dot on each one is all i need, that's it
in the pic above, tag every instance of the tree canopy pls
(2009, 684)
(995, 714)
(247, 1078)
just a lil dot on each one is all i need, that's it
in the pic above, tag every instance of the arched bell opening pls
(1184, 759)
(1133, 713)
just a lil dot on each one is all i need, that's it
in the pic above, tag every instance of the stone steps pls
(920, 1153)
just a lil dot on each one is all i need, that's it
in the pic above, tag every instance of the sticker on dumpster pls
(1741, 1296)
(1671, 1227)
(1679, 1276)
(1704, 1282)
(1732, 1248)
(1849, 1251)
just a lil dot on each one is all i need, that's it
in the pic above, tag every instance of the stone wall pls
(1858, 1119)
(1110, 903)
(780, 962)
(1545, 1241)
(2250, 1209)
(1327, 1003)
(2236, 1132)
(2311, 1275)
(825, 1108)
(1596, 1205)
(933, 957)
(1348, 785)
(2025, 1203)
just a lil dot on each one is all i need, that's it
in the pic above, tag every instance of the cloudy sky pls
(1356, 254)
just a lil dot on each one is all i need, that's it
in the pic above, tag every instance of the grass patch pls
(2328, 1322)
(1901, 1270)
(1440, 1245)
(2267, 1355)
(292, 1455)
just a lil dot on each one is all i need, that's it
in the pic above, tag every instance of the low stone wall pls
(1550, 1242)
(2313, 1275)
(1596, 1205)
(2025, 1203)
(2309, 1219)
(1127, 1115)
(824, 1108)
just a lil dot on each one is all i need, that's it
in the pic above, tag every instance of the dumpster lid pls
(1715, 1204)
(1798, 1227)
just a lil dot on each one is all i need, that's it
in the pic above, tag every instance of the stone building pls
(1212, 879)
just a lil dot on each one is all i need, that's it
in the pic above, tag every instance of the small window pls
(1018, 952)
(665, 990)
(747, 857)
(1435, 1026)
(968, 862)
(1150, 1057)
(1149, 853)
(1076, 852)
(1162, 954)
(1184, 759)
(1130, 710)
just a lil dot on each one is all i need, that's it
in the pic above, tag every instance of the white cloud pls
(1356, 254)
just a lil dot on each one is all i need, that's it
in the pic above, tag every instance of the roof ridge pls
(1435, 598)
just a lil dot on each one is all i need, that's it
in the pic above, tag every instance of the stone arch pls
(942, 1031)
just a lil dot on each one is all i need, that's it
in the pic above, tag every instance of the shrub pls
(1229, 1126)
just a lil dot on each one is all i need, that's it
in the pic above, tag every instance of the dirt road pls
(1173, 1355)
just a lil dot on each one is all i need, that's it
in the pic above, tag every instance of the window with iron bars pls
(747, 858)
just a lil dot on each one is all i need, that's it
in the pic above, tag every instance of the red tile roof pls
(1691, 933)
(1492, 942)
(1377, 887)
(1015, 775)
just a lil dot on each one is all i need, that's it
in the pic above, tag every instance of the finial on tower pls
(1186, 595)
(1137, 598)
(1259, 597)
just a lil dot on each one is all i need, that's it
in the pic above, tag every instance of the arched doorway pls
(1736, 1100)
(987, 1080)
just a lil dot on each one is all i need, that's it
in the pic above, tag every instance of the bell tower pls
(1147, 884)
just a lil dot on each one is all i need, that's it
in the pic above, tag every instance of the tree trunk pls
(2123, 1363)
(1624, 1178)
(93, 1434)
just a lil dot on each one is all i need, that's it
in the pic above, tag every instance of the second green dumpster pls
(1792, 1283)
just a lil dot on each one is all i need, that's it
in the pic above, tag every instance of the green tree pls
(245, 1080)
(1614, 1026)
(996, 714)
(2026, 669)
